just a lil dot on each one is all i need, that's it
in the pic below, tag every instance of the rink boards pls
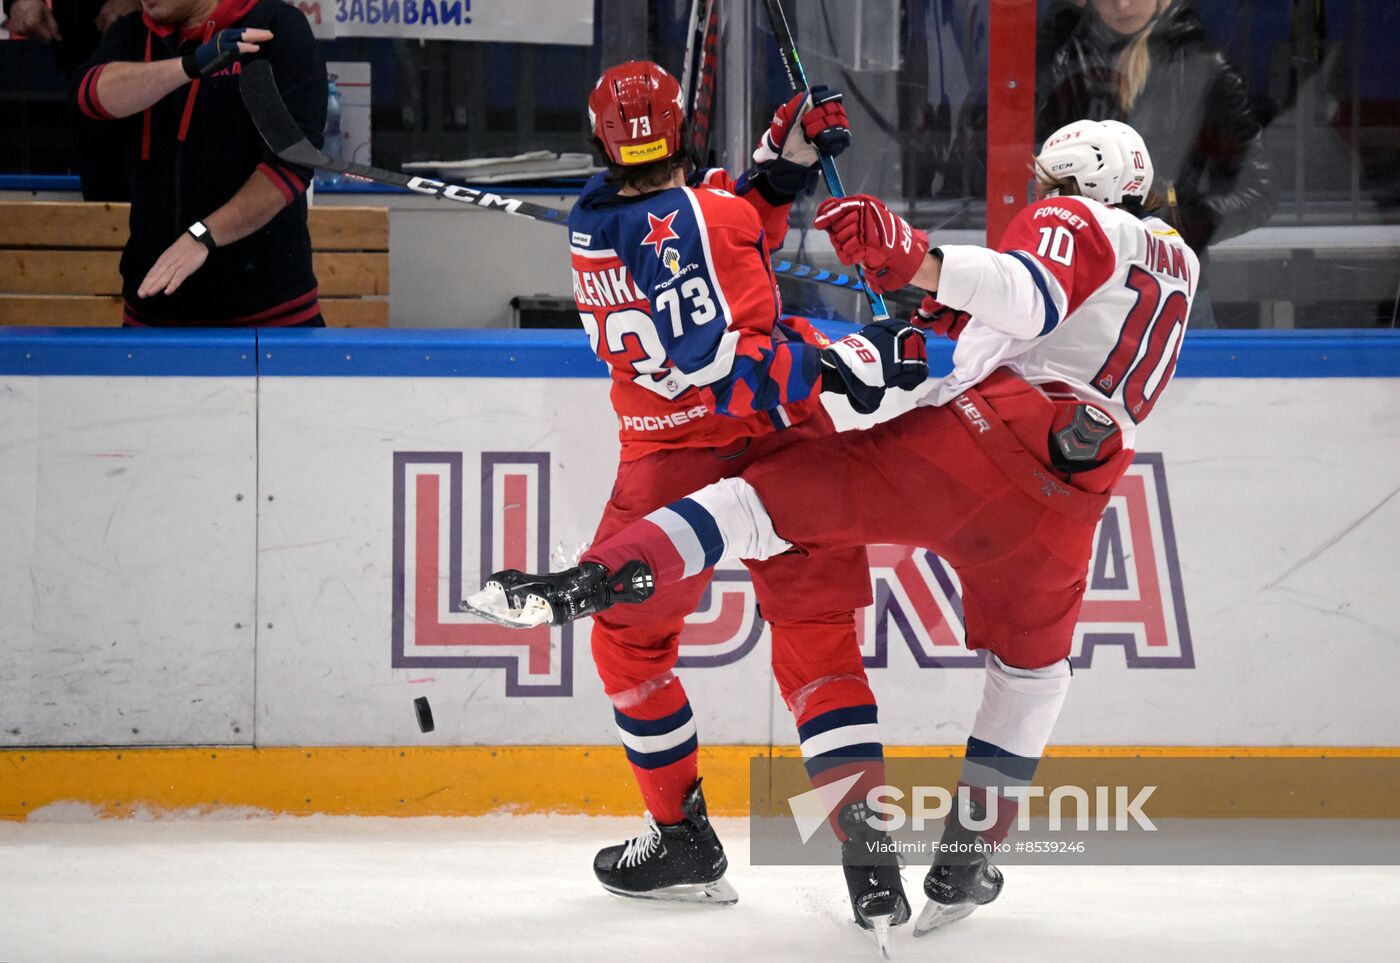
(234, 539)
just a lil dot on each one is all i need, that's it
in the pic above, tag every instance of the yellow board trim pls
(440, 781)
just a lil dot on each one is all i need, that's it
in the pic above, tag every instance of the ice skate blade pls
(880, 926)
(937, 915)
(491, 604)
(718, 893)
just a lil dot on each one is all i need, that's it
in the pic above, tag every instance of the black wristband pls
(202, 234)
(190, 65)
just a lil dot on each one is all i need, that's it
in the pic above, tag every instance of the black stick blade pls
(274, 122)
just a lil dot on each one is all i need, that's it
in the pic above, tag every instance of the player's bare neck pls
(677, 180)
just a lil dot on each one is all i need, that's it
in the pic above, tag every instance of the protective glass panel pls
(914, 78)
(1274, 136)
(1273, 125)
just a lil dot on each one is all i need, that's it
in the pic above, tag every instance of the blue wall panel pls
(305, 352)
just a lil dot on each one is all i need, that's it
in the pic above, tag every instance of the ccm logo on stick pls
(426, 185)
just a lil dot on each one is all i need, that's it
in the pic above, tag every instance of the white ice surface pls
(521, 888)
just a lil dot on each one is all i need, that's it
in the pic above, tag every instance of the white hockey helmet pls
(1107, 160)
(1137, 162)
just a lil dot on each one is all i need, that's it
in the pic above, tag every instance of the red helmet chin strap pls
(637, 113)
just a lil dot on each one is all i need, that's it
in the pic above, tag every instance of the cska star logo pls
(660, 231)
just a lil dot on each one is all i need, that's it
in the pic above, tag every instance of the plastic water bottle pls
(335, 141)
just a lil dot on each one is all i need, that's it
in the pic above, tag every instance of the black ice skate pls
(872, 875)
(683, 862)
(961, 878)
(522, 601)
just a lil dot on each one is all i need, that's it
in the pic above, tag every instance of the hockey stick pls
(700, 93)
(693, 33)
(286, 139)
(797, 77)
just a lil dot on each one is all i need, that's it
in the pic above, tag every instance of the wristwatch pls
(201, 233)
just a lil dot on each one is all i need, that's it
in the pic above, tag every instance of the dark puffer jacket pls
(1194, 113)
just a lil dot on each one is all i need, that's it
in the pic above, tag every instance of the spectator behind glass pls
(74, 27)
(1148, 63)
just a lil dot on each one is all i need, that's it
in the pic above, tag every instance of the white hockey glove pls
(882, 355)
(787, 154)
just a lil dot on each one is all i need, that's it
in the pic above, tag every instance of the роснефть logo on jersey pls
(1134, 601)
(672, 259)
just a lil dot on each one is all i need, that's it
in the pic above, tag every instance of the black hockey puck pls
(425, 714)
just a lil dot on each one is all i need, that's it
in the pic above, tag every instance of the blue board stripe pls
(40, 182)
(107, 352)
(508, 353)
(1292, 354)
(491, 353)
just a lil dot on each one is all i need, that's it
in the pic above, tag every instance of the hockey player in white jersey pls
(1067, 334)
(1126, 277)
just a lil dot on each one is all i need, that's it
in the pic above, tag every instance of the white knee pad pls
(1020, 706)
(742, 520)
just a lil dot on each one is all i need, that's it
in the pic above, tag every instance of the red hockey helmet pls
(637, 112)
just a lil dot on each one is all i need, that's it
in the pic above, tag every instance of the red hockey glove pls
(881, 355)
(937, 318)
(787, 153)
(824, 121)
(864, 231)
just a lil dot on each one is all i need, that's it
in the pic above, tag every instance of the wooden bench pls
(58, 263)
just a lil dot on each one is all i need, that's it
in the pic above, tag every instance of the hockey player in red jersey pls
(1067, 335)
(674, 286)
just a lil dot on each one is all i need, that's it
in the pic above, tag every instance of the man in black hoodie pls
(218, 222)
